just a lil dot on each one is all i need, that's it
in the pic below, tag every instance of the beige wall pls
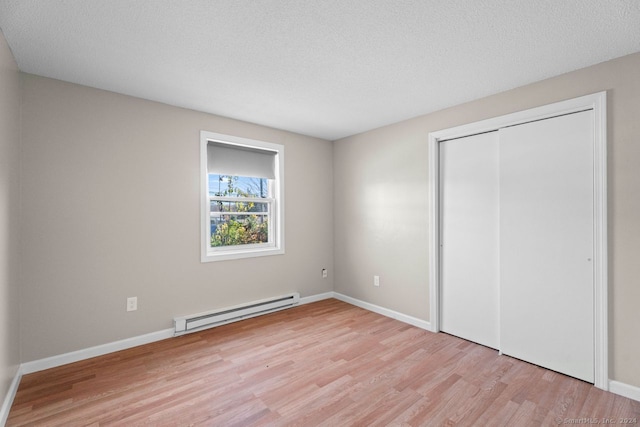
(381, 188)
(111, 209)
(9, 214)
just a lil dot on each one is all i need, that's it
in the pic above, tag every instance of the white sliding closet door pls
(546, 243)
(469, 238)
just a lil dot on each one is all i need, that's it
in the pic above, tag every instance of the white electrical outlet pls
(376, 280)
(324, 273)
(132, 303)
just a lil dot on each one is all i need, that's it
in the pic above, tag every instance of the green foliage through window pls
(234, 232)
(238, 222)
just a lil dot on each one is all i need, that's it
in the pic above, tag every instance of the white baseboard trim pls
(422, 324)
(622, 389)
(626, 390)
(99, 350)
(317, 297)
(8, 399)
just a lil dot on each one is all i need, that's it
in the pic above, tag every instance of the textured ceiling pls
(326, 68)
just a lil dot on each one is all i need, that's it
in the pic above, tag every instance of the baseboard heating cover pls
(197, 322)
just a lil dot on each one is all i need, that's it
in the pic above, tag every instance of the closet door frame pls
(596, 102)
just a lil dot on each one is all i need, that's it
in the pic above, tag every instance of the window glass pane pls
(238, 229)
(237, 186)
(238, 222)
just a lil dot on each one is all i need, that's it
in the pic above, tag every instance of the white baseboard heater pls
(196, 322)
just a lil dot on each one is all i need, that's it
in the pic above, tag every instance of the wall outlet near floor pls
(324, 273)
(132, 303)
(376, 280)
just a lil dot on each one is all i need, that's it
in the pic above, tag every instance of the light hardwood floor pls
(327, 363)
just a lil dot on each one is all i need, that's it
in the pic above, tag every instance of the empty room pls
(319, 213)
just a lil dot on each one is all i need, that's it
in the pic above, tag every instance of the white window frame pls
(275, 246)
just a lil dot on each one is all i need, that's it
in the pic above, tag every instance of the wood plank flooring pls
(327, 363)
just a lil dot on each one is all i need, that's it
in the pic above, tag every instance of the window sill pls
(211, 256)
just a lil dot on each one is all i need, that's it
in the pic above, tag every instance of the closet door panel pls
(546, 242)
(469, 238)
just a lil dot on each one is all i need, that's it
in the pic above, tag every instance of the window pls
(242, 197)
